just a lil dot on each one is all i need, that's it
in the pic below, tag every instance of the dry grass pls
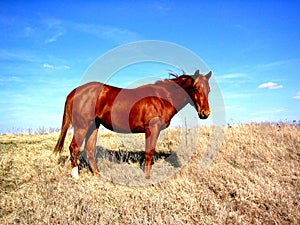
(255, 179)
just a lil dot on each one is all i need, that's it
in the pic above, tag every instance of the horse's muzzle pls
(204, 114)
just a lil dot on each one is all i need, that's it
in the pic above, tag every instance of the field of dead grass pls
(254, 179)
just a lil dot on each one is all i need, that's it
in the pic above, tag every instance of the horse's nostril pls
(204, 114)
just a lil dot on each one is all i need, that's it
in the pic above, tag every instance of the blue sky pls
(252, 48)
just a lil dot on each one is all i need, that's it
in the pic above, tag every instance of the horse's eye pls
(196, 90)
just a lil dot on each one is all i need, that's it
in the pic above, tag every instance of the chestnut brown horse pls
(146, 109)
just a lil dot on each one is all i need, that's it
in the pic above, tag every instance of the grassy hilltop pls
(254, 179)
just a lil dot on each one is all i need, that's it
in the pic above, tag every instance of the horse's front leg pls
(151, 135)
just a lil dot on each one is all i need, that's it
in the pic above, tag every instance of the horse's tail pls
(66, 122)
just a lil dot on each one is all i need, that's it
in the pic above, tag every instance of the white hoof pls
(75, 173)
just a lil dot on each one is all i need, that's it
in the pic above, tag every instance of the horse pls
(146, 109)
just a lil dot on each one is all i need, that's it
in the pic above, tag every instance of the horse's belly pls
(122, 122)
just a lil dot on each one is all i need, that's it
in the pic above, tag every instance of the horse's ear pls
(208, 75)
(197, 73)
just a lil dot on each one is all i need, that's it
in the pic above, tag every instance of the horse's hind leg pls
(90, 145)
(74, 147)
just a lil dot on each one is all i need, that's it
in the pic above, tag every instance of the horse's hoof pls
(75, 173)
(97, 175)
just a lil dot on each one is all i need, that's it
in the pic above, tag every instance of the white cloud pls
(53, 29)
(54, 37)
(19, 55)
(10, 79)
(65, 67)
(161, 7)
(49, 66)
(272, 65)
(116, 34)
(270, 85)
(28, 31)
(237, 96)
(297, 96)
(52, 22)
(233, 78)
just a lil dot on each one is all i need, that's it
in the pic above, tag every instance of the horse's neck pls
(178, 93)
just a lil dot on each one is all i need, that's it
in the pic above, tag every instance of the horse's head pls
(198, 93)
